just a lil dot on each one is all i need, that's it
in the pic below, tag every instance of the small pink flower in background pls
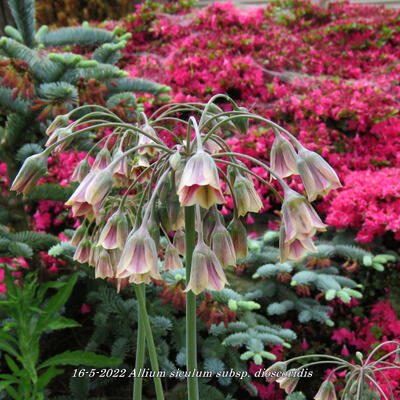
(85, 309)
(304, 345)
(345, 352)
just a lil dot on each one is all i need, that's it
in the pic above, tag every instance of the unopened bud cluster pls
(138, 187)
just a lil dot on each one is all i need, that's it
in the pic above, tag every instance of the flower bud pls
(179, 242)
(326, 391)
(61, 121)
(175, 160)
(81, 170)
(209, 222)
(172, 260)
(33, 168)
(102, 159)
(199, 183)
(154, 230)
(239, 238)
(175, 213)
(206, 271)
(317, 175)
(397, 357)
(241, 123)
(247, 198)
(222, 245)
(283, 156)
(163, 216)
(99, 187)
(275, 371)
(115, 232)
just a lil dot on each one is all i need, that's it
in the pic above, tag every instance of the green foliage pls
(24, 243)
(287, 287)
(30, 316)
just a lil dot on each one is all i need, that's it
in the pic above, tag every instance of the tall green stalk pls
(140, 348)
(140, 294)
(191, 332)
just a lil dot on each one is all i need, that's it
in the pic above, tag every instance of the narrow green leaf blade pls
(79, 357)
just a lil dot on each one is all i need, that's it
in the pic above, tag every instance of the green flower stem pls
(140, 294)
(191, 346)
(140, 347)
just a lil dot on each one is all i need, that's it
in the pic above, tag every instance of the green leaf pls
(7, 347)
(79, 357)
(12, 365)
(62, 323)
(47, 376)
(55, 303)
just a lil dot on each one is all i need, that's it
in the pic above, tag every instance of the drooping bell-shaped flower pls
(82, 251)
(299, 217)
(199, 183)
(326, 391)
(102, 159)
(222, 245)
(206, 272)
(275, 371)
(247, 198)
(60, 135)
(81, 170)
(79, 195)
(78, 235)
(239, 238)
(288, 382)
(33, 168)
(121, 170)
(104, 268)
(139, 257)
(115, 232)
(179, 242)
(172, 260)
(294, 249)
(283, 156)
(317, 175)
(99, 187)
(138, 166)
(146, 140)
